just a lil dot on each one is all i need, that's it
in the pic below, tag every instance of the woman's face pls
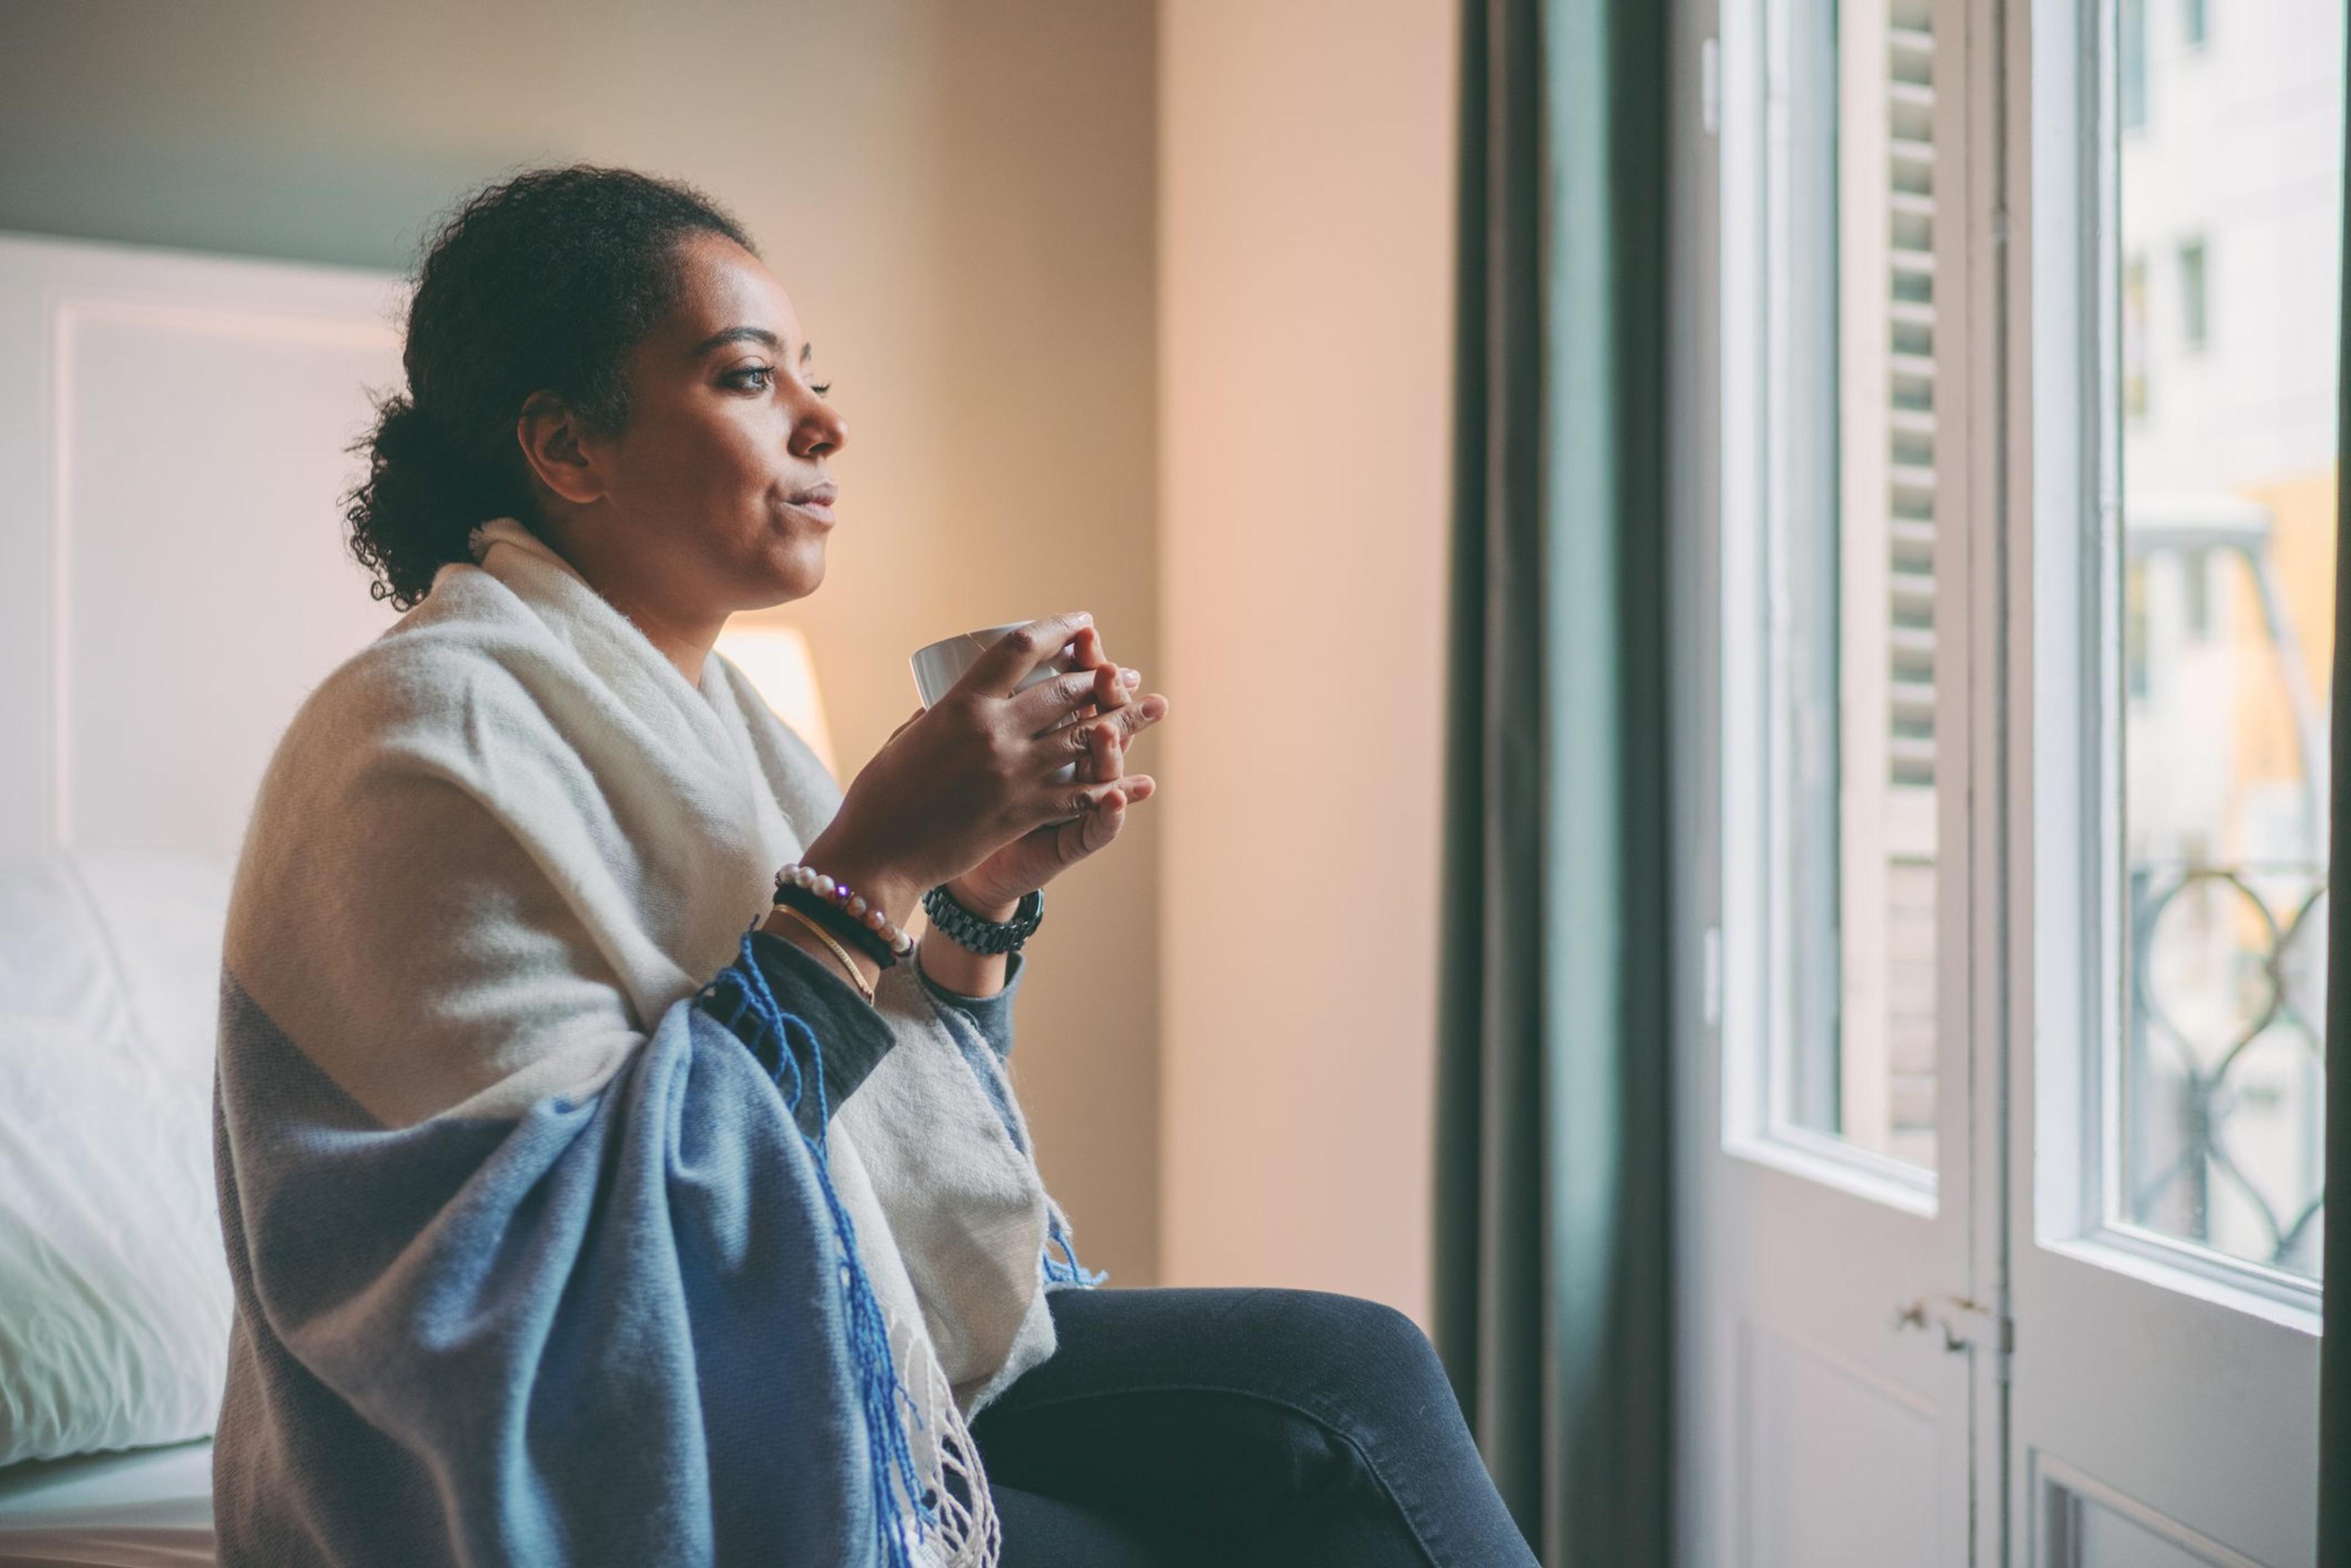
(714, 497)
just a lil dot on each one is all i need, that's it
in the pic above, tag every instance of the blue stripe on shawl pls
(785, 1039)
(614, 1330)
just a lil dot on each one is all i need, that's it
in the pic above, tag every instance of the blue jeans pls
(1232, 1427)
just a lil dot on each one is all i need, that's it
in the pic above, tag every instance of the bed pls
(171, 583)
(150, 1508)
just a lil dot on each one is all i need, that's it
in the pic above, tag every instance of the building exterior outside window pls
(2228, 445)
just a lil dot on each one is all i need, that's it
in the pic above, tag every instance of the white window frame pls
(1750, 966)
(2073, 653)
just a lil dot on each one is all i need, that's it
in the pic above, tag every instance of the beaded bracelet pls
(805, 887)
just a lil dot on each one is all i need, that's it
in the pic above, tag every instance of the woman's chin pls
(792, 572)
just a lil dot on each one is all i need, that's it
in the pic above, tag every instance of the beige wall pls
(960, 197)
(1306, 224)
(1071, 264)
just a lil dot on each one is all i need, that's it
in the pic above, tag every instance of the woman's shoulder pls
(435, 683)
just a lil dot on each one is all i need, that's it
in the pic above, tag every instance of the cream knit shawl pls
(499, 842)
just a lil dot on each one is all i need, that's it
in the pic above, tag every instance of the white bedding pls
(151, 1507)
(113, 1330)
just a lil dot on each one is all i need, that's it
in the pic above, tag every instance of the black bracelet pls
(965, 930)
(838, 921)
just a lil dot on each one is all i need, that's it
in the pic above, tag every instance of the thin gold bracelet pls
(855, 978)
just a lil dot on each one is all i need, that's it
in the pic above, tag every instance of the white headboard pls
(173, 577)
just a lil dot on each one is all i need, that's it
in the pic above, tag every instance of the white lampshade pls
(777, 661)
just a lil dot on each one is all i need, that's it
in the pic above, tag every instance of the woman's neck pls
(685, 645)
(685, 640)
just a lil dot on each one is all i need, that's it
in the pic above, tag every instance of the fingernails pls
(1131, 677)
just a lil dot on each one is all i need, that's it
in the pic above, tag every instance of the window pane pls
(1806, 609)
(1854, 588)
(2132, 93)
(2229, 159)
(2192, 304)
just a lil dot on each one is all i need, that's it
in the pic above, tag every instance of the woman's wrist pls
(987, 910)
(958, 970)
(881, 886)
(862, 971)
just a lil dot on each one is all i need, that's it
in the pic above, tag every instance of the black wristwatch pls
(965, 930)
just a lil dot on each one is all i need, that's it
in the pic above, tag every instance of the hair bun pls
(420, 499)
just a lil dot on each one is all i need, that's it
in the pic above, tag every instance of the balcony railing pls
(2224, 1058)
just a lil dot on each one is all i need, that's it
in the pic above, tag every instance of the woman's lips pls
(815, 502)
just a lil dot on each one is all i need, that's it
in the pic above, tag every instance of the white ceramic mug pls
(940, 666)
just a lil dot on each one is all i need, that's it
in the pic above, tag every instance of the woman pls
(573, 1222)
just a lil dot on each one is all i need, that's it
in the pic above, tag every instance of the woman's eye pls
(741, 378)
(821, 389)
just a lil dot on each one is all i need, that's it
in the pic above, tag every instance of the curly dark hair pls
(542, 282)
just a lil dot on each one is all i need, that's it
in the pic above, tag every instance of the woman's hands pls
(1116, 714)
(973, 775)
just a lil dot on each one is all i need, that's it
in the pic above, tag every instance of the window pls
(1885, 560)
(2193, 305)
(2131, 90)
(2215, 727)
(2134, 344)
(1844, 619)
(2113, 643)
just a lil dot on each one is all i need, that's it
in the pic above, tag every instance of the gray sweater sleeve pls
(992, 1016)
(850, 1035)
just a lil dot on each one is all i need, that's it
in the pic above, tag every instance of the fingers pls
(1095, 827)
(1046, 706)
(1084, 799)
(1138, 716)
(1009, 659)
(1098, 827)
(1107, 741)
(1101, 740)
(1089, 652)
(1092, 826)
(1095, 746)
(1108, 736)
(1114, 686)
(1106, 751)
(1049, 705)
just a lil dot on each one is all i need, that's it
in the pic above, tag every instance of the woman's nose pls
(820, 433)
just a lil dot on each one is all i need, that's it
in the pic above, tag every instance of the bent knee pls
(1353, 1336)
(1374, 1325)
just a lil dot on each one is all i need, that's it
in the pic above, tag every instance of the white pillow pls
(114, 1296)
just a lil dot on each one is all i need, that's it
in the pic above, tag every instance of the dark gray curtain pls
(1553, 1311)
(2334, 1350)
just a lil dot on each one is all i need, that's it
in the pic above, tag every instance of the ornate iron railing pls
(2185, 1082)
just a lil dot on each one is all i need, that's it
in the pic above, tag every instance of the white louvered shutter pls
(1886, 592)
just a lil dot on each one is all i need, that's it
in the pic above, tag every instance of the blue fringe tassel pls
(882, 1393)
(1066, 1269)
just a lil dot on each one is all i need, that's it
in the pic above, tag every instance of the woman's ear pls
(549, 436)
